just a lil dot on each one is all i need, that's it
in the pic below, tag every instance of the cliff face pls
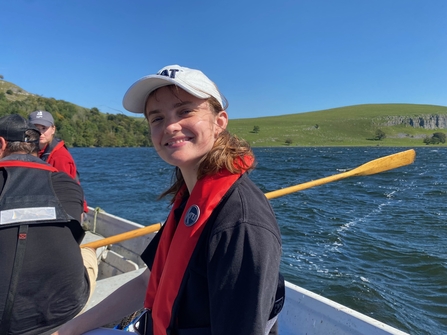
(427, 121)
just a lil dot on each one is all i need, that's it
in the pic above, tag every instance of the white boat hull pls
(304, 312)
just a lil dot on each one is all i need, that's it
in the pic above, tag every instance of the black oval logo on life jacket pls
(192, 215)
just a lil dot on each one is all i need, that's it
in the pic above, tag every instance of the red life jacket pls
(177, 244)
(46, 154)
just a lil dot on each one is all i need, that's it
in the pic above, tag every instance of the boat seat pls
(106, 286)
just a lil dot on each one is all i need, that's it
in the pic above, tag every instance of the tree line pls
(83, 127)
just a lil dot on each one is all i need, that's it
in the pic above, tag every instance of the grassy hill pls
(12, 91)
(345, 126)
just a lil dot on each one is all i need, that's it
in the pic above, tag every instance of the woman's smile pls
(174, 142)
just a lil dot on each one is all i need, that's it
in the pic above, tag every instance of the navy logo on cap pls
(192, 215)
(168, 73)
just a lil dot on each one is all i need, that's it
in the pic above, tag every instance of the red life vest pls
(46, 154)
(177, 244)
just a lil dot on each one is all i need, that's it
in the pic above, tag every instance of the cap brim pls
(42, 122)
(135, 98)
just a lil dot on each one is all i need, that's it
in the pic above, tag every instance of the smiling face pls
(183, 127)
(46, 134)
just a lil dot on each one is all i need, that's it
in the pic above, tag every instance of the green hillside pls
(345, 126)
(401, 124)
(77, 126)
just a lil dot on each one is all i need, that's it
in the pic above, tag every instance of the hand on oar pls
(375, 166)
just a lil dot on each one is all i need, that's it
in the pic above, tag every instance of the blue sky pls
(267, 57)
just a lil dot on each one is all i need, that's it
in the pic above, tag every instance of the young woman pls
(52, 149)
(214, 266)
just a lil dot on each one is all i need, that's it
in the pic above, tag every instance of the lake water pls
(377, 244)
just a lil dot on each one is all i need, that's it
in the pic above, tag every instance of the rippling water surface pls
(377, 244)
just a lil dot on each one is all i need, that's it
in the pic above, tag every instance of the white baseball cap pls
(192, 81)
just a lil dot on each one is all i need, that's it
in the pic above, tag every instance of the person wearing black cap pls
(213, 268)
(45, 278)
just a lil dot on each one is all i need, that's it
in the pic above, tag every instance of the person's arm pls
(70, 194)
(243, 274)
(124, 301)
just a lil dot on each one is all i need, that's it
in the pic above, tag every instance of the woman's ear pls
(222, 120)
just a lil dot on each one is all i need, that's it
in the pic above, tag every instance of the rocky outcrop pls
(426, 121)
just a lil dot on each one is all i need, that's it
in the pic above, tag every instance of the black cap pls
(13, 128)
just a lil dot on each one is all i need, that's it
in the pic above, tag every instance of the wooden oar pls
(375, 166)
(123, 236)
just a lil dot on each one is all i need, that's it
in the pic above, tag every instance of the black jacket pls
(230, 284)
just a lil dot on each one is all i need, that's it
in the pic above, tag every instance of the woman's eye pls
(185, 112)
(155, 119)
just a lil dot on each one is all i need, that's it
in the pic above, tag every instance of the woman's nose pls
(172, 125)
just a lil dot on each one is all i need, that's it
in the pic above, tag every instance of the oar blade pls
(375, 166)
(385, 163)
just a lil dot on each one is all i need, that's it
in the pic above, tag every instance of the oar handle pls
(123, 236)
